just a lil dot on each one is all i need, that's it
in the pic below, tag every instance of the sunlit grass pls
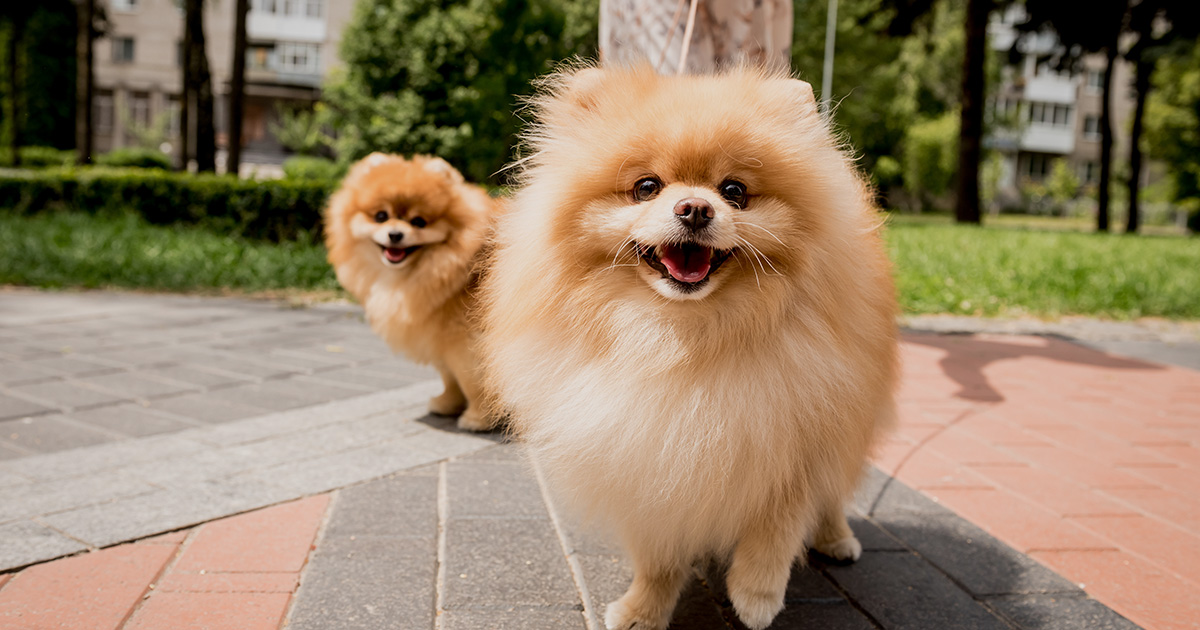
(1004, 271)
(940, 267)
(65, 249)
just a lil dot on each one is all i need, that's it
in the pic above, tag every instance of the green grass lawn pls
(946, 268)
(940, 267)
(65, 249)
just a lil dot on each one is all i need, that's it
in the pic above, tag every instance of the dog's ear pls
(375, 159)
(582, 87)
(365, 165)
(799, 95)
(443, 168)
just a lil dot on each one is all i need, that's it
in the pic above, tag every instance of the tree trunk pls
(200, 83)
(1141, 86)
(1106, 140)
(237, 88)
(85, 82)
(723, 33)
(970, 138)
(14, 93)
(185, 88)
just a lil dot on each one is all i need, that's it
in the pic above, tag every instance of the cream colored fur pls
(736, 424)
(419, 306)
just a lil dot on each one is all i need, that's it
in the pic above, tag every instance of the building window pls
(172, 116)
(139, 108)
(290, 8)
(1089, 172)
(1095, 81)
(298, 58)
(1091, 128)
(127, 6)
(291, 57)
(258, 56)
(102, 103)
(1037, 166)
(1062, 115)
(1037, 112)
(122, 50)
(1055, 114)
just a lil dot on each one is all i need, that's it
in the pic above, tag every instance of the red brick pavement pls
(1087, 462)
(237, 573)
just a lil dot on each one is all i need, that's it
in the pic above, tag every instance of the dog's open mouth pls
(689, 265)
(397, 255)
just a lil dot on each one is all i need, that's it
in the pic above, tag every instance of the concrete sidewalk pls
(240, 464)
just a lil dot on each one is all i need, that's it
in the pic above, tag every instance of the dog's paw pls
(845, 550)
(619, 616)
(473, 420)
(756, 609)
(447, 405)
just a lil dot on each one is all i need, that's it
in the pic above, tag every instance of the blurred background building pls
(291, 47)
(1042, 114)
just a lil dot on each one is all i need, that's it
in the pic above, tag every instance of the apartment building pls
(291, 47)
(1047, 115)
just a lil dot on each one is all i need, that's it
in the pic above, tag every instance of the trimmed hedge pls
(305, 167)
(135, 157)
(275, 210)
(39, 157)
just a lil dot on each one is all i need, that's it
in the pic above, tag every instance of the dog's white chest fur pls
(645, 435)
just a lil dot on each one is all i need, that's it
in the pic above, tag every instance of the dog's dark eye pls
(381, 216)
(734, 193)
(417, 222)
(646, 189)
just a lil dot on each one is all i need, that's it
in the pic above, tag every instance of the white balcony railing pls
(1046, 138)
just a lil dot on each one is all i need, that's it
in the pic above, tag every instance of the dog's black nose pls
(694, 212)
(395, 237)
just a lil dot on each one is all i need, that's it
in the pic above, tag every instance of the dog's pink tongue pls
(688, 263)
(395, 254)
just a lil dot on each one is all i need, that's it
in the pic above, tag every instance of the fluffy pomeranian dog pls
(405, 237)
(689, 315)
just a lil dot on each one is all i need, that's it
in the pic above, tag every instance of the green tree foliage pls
(1063, 184)
(883, 86)
(46, 54)
(930, 156)
(299, 130)
(1173, 120)
(443, 77)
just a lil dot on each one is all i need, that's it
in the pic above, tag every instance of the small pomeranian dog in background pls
(406, 237)
(690, 317)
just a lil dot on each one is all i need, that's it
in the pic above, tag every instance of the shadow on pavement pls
(449, 425)
(922, 567)
(967, 356)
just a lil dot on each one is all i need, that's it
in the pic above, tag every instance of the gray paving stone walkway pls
(125, 415)
(80, 369)
(90, 497)
(473, 542)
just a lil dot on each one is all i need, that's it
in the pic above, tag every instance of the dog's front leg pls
(758, 574)
(650, 600)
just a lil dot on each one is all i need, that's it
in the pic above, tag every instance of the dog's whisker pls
(769, 232)
(767, 259)
(617, 184)
(751, 251)
(762, 258)
(754, 163)
(752, 268)
(626, 248)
